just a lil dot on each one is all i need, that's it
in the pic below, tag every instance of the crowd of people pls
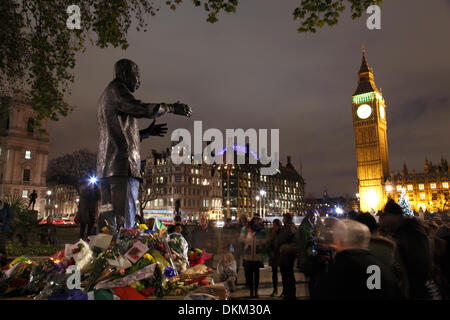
(364, 256)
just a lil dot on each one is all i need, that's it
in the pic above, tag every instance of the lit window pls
(445, 185)
(410, 187)
(388, 188)
(422, 196)
(27, 154)
(421, 186)
(399, 188)
(25, 194)
(433, 185)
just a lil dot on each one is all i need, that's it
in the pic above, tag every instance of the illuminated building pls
(246, 191)
(428, 190)
(198, 188)
(61, 200)
(23, 151)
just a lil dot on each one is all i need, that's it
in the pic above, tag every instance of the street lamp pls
(257, 199)
(357, 199)
(263, 193)
(49, 193)
(93, 180)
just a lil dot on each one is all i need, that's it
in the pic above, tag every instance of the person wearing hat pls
(6, 217)
(413, 246)
(254, 238)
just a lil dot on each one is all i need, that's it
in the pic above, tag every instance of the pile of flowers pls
(133, 264)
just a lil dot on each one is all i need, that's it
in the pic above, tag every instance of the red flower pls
(71, 262)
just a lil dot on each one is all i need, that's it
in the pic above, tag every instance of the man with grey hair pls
(350, 234)
(356, 274)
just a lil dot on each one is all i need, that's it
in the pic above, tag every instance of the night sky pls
(253, 70)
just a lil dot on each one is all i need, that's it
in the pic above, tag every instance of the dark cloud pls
(415, 109)
(253, 70)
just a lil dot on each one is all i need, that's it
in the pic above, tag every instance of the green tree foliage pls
(38, 51)
(72, 169)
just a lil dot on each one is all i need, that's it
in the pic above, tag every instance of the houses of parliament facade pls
(426, 191)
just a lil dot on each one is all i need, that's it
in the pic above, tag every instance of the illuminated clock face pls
(382, 113)
(364, 111)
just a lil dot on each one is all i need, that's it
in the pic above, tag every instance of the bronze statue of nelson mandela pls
(118, 159)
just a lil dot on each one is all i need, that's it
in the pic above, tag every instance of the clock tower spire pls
(370, 126)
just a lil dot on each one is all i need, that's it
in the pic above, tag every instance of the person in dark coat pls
(88, 209)
(203, 236)
(274, 253)
(52, 235)
(288, 252)
(240, 261)
(6, 218)
(385, 249)
(443, 233)
(320, 257)
(413, 246)
(356, 274)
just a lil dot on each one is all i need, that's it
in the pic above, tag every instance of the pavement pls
(265, 286)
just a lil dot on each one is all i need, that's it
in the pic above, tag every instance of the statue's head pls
(128, 72)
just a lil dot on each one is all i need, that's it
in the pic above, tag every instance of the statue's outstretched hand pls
(182, 109)
(156, 129)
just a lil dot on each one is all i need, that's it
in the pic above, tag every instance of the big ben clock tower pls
(369, 123)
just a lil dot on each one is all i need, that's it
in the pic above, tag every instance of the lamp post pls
(263, 193)
(357, 199)
(49, 193)
(257, 199)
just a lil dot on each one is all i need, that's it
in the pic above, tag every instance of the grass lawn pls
(64, 234)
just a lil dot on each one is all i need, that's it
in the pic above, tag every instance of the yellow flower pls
(143, 227)
(133, 285)
(149, 257)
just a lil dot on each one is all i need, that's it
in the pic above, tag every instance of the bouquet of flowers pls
(179, 248)
(198, 256)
